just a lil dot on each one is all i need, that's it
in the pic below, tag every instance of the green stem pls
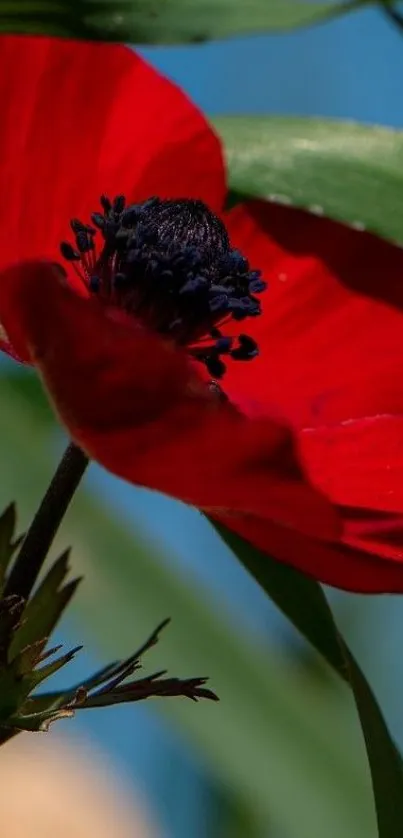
(46, 522)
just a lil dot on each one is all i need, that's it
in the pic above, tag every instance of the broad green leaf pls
(164, 21)
(302, 600)
(273, 737)
(349, 172)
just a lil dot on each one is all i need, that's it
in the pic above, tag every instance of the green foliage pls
(24, 633)
(164, 21)
(302, 600)
(274, 737)
(24, 630)
(349, 172)
(44, 609)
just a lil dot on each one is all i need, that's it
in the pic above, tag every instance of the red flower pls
(278, 413)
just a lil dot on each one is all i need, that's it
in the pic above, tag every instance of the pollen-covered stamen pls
(171, 264)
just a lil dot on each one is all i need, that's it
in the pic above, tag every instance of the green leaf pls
(34, 721)
(38, 675)
(349, 172)
(384, 758)
(302, 600)
(164, 21)
(111, 685)
(46, 605)
(273, 737)
(23, 663)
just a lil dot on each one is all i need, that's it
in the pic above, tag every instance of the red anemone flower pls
(278, 409)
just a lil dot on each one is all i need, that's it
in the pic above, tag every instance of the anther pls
(84, 242)
(223, 345)
(256, 286)
(215, 367)
(94, 283)
(119, 204)
(170, 263)
(246, 350)
(106, 204)
(77, 226)
(68, 252)
(98, 220)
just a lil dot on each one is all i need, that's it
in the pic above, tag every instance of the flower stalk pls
(46, 522)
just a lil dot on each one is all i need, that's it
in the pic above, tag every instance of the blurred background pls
(281, 756)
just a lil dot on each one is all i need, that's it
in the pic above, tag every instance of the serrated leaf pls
(347, 171)
(38, 721)
(46, 606)
(26, 661)
(45, 702)
(19, 677)
(40, 675)
(100, 676)
(114, 688)
(164, 21)
(152, 686)
(313, 617)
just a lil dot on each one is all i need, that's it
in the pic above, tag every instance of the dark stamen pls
(170, 263)
(68, 252)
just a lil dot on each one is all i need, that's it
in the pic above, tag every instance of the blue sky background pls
(352, 68)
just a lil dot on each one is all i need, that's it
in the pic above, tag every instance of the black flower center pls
(170, 263)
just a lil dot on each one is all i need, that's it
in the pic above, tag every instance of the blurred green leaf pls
(302, 600)
(274, 737)
(164, 21)
(347, 171)
(384, 758)
(231, 817)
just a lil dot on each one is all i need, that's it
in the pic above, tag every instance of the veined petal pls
(136, 404)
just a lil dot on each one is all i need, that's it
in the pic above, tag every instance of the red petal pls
(359, 462)
(378, 533)
(331, 333)
(340, 565)
(137, 405)
(81, 119)
(331, 344)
